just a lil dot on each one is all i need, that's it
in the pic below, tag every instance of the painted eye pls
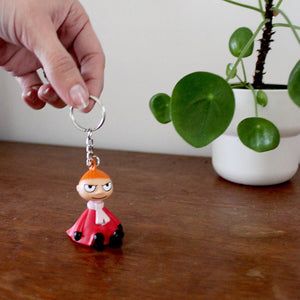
(89, 188)
(107, 187)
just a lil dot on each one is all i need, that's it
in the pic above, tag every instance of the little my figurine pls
(97, 226)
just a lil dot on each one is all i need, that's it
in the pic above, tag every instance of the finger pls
(89, 107)
(78, 36)
(48, 95)
(29, 80)
(18, 61)
(30, 96)
(60, 68)
(30, 83)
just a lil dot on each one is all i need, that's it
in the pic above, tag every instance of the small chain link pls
(91, 158)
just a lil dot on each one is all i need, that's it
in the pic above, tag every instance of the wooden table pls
(188, 233)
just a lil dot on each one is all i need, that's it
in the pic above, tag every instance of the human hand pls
(57, 36)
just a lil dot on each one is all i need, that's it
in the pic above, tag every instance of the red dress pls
(87, 226)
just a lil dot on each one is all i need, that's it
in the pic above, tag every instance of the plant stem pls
(250, 87)
(244, 5)
(288, 21)
(237, 85)
(279, 3)
(244, 71)
(286, 25)
(246, 47)
(264, 47)
(261, 8)
(240, 79)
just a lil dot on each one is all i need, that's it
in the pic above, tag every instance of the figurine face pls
(95, 189)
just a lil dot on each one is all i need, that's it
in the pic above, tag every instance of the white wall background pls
(149, 46)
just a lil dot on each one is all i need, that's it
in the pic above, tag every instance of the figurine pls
(97, 226)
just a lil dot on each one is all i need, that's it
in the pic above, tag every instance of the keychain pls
(97, 227)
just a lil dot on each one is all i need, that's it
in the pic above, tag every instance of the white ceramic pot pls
(237, 163)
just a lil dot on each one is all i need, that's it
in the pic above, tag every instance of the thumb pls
(61, 69)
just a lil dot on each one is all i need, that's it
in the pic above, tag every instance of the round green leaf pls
(229, 68)
(258, 134)
(294, 84)
(262, 98)
(238, 41)
(202, 107)
(160, 107)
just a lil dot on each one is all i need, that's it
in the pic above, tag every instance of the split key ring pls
(102, 119)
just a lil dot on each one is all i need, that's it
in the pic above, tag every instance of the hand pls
(57, 36)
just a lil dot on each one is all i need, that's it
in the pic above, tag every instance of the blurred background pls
(149, 45)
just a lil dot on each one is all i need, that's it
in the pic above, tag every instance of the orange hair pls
(93, 173)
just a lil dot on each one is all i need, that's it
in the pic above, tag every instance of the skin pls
(99, 193)
(57, 36)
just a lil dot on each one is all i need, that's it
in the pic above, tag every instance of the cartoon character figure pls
(97, 226)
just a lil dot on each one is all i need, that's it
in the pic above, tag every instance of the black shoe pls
(98, 241)
(77, 235)
(115, 240)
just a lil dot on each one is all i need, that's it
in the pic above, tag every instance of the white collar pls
(95, 204)
(101, 217)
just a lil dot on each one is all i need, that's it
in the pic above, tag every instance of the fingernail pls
(50, 95)
(79, 97)
(30, 95)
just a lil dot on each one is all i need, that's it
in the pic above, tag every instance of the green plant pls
(202, 104)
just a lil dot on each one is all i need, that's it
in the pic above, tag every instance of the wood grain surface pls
(188, 233)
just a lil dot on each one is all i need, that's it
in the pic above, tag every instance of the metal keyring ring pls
(100, 122)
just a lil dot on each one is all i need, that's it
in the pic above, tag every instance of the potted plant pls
(253, 129)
